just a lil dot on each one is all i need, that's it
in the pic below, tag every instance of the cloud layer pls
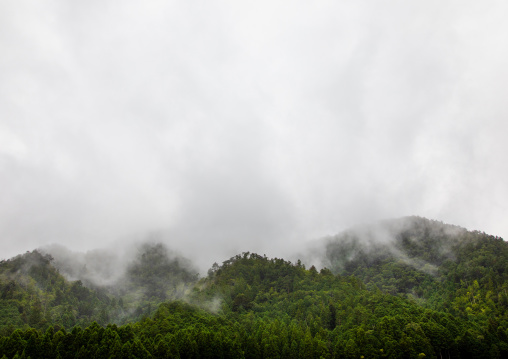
(253, 125)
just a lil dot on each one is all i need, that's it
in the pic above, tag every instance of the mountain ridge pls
(397, 288)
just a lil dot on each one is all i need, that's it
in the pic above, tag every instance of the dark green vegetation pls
(409, 288)
(34, 293)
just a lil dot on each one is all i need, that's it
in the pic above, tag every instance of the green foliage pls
(433, 291)
(440, 266)
(158, 275)
(33, 293)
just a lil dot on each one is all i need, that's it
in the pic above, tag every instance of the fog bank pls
(252, 126)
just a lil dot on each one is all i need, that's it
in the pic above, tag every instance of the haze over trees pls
(405, 288)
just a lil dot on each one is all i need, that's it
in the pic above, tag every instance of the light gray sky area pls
(227, 126)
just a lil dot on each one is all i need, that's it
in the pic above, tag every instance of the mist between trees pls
(406, 288)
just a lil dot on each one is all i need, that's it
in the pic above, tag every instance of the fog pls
(247, 126)
(395, 239)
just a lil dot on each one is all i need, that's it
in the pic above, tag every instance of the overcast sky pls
(248, 125)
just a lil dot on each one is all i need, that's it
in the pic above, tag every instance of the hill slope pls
(440, 266)
(35, 294)
(38, 291)
(407, 288)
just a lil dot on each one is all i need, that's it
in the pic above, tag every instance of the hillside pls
(441, 266)
(33, 293)
(39, 291)
(407, 288)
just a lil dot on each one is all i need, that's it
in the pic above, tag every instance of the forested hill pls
(33, 293)
(438, 265)
(152, 273)
(34, 290)
(409, 288)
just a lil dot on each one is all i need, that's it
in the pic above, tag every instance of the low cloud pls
(247, 127)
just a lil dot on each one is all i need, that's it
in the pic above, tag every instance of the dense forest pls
(406, 288)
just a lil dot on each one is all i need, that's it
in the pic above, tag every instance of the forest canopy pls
(407, 288)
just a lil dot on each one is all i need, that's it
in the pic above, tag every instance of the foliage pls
(34, 294)
(433, 291)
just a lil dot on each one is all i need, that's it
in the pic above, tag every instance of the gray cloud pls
(247, 126)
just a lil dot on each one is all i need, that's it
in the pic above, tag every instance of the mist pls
(396, 239)
(254, 126)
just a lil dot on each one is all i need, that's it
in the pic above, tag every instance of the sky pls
(229, 126)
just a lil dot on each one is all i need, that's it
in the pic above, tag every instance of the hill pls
(33, 293)
(406, 288)
(39, 291)
(441, 266)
